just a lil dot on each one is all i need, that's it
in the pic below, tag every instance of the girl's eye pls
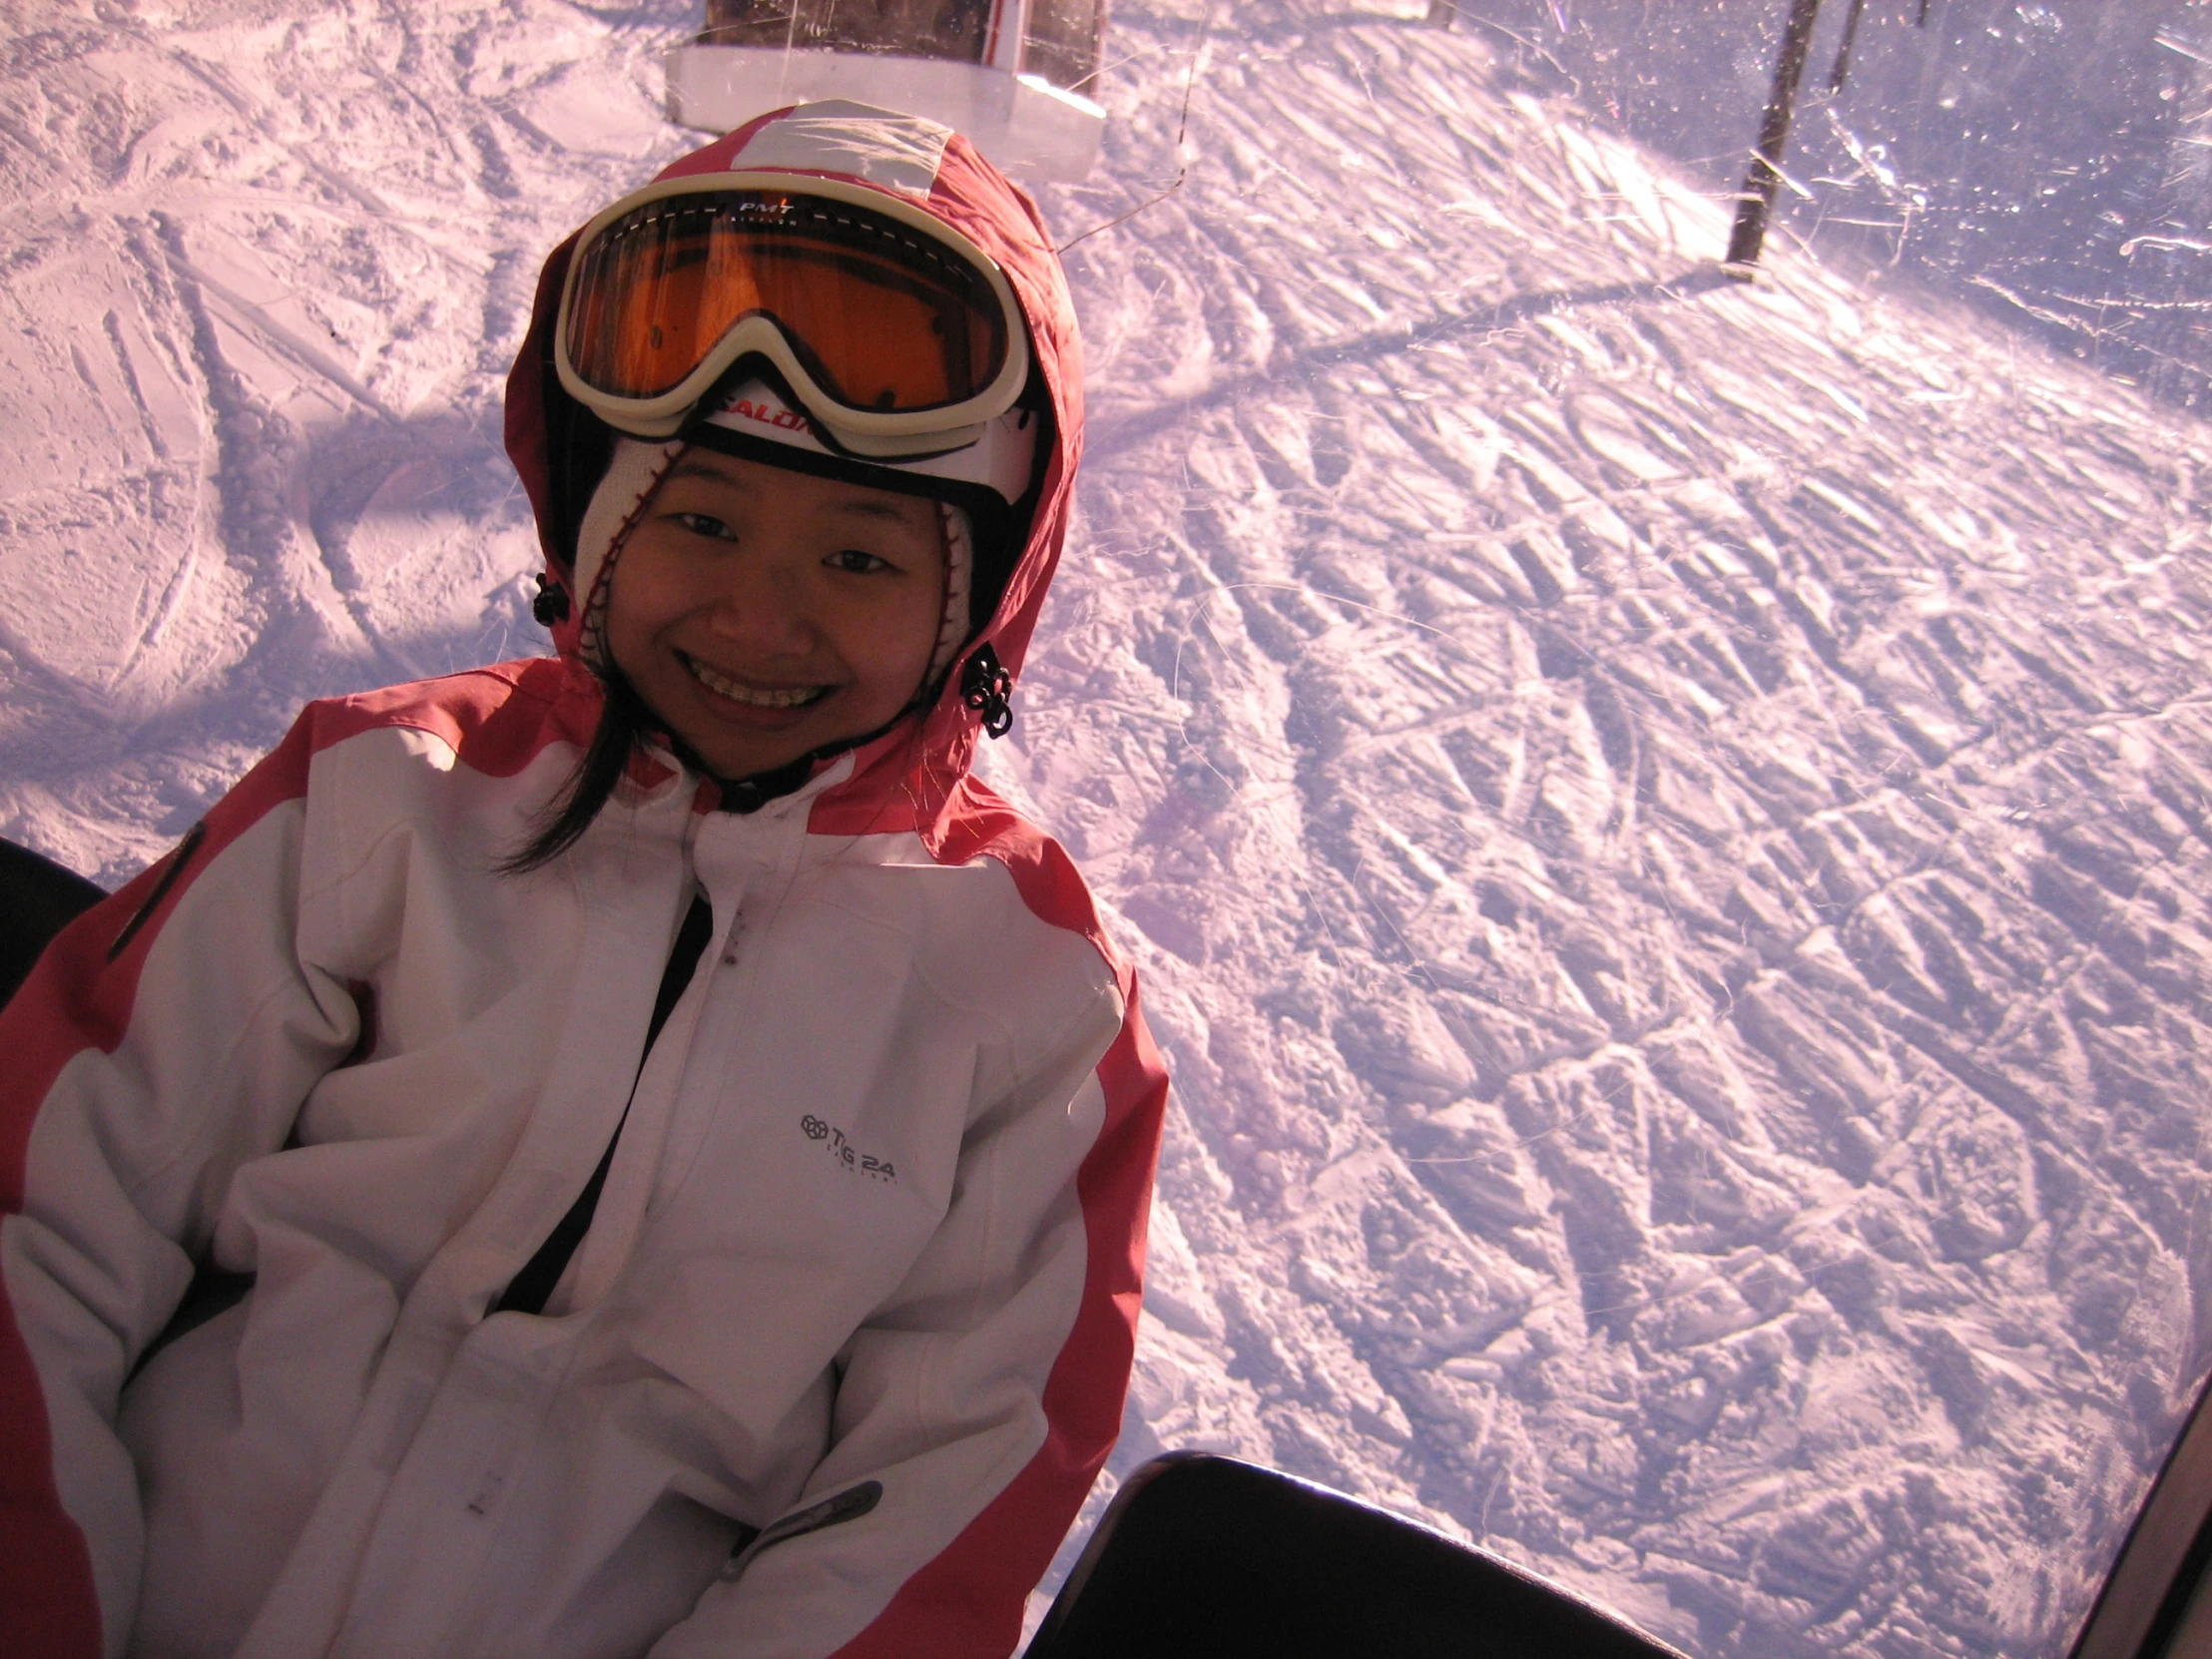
(860, 564)
(706, 524)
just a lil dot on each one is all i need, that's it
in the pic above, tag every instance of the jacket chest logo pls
(845, 1154)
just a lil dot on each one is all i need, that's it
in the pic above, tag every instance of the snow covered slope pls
(1672, 821)
(1667, 821)
(267, 264)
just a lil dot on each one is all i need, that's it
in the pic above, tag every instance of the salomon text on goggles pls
(899, 334)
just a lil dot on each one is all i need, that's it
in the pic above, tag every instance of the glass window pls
(1061, 43)
(955, 29)
(1668, 820)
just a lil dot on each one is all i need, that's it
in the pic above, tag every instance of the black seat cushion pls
(38, 898)
(1212, 1559)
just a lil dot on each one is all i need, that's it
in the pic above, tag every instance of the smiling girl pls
(765, 615)
(635, 1150)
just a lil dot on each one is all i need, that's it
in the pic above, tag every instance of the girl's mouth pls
(755, 697)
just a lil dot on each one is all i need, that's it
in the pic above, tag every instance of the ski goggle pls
(900, 335)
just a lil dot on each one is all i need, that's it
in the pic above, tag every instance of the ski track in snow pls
(1665, 822)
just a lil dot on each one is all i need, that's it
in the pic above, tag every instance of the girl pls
(635, 1151)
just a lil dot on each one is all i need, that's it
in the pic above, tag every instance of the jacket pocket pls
(850, 1504)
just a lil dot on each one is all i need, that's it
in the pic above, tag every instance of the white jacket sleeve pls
(168, 1036)
(977, 1403)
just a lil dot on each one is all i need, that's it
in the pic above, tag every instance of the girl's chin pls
(733, 756)
(733, 751)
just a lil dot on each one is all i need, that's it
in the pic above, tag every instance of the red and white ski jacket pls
(863, 1276)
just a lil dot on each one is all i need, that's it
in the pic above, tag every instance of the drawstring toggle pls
(551, 603)
(984, 687)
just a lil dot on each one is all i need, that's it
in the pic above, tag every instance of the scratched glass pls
(1667, 814)
(1664, 816)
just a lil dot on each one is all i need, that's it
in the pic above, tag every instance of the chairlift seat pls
(1205, 1558)
(37, 898)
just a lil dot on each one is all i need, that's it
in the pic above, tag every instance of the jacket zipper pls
(176, 861)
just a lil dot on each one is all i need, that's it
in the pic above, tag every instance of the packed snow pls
(1665, 820)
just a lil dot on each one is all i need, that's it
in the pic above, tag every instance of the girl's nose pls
(763, 609)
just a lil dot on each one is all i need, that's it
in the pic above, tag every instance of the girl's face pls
(763, 614)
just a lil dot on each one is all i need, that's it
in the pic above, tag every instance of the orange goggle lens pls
(883, 317)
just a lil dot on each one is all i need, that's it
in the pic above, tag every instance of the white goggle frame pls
(862, 431)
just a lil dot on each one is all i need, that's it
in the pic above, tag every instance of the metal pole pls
(1764, 177)
(1842, 52)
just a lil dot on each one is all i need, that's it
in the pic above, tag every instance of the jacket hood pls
(903, 777)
